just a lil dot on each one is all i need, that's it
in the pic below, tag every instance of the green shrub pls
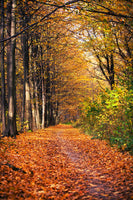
(110, 117)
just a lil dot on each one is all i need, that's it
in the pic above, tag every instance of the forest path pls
(61, 163)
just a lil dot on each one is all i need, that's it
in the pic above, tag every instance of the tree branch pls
(46, 16)
(30, 26)
(111, 13)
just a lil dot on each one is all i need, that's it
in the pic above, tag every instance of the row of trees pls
(35, 76)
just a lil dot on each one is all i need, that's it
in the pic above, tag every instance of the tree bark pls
(37, 106)
(33, 109)
(43, 104)
(48, 97)
(107, 69)
(11, 129)
(2, 69)
(26, 88)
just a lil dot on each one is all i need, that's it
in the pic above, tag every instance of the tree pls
(11, 129)
(2, 27)
(25, 16)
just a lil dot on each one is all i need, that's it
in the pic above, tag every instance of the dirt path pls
(89, 163)
(61, 163)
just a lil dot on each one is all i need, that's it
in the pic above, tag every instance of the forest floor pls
(61, 163)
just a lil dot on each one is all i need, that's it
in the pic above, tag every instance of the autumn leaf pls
(61, 163)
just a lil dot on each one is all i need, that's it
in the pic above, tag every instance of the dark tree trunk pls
(107, 69)
(48, 97)
(33, 109)
(26, 79)
(2, 69)
(26, 116)
(111, 76)
(11, 129)
(43, 104)
(37, 105)
(26, 107)
(110, 69)
(43, 91)
(32, 89)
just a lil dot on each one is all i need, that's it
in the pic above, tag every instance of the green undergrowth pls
(110, 117)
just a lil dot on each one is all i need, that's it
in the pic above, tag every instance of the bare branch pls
(111, 13)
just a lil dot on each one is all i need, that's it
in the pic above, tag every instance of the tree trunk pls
(112, 81)
(43, 90)
(26, 88)
(33, 109)
(107, 69)
(37, 106)
(2, 70)
(43, 104)
(48, 97)
(11, 129)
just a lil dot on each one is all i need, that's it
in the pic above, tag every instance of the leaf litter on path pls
(61, 163)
